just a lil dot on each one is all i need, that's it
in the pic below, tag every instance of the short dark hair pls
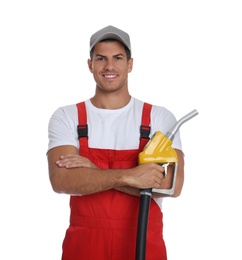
(128, 52)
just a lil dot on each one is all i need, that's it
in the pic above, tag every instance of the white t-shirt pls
(116, 129)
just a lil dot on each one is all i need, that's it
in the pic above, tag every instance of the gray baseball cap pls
(110, 32)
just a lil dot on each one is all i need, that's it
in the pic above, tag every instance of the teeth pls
(110, 76)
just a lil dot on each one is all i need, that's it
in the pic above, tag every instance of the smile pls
(110, 76)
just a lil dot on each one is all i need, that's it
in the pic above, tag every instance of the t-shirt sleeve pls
(62, 128)
(164, 120)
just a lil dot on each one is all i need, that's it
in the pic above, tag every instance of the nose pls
(109, 64)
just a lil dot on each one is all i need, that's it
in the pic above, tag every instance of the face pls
(110, 66)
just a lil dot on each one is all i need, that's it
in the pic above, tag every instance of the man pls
(93, 156)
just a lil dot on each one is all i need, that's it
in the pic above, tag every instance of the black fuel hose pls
(145, 197)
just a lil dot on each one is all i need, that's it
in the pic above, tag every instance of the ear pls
(89, 62)
(130, 64)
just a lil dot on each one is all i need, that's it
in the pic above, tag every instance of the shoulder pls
(64, 117)
(68, 109)
(163, 112)
(156, 110)
(64, 112)
(162, 119)
(62, 127)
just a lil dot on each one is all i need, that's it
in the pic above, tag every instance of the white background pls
(187, 55)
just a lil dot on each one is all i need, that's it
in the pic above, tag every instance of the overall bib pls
(103, 226)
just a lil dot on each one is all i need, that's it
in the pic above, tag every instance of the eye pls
(119, 57)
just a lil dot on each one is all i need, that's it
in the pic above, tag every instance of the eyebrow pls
(103, 56)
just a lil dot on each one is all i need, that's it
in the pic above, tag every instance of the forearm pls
(166, 182)
(136, 192)
(129, 190)
(83, 181)
(73, 174)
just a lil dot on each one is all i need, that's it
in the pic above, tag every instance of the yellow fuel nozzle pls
(159, 150)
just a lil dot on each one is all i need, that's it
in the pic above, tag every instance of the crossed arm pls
(73, 174)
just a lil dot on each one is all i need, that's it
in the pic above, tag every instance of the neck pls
(110, 101)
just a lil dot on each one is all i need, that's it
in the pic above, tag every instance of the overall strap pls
(82, 127)
(145, 126)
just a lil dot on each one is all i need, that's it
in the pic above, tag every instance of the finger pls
(63, 162)
(69, 155)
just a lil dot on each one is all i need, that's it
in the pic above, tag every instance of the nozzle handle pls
(179, 123)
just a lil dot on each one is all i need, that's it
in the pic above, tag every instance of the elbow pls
(178, 188)
(57, 183)
(56, 188)
(177, 191)
(176, 194)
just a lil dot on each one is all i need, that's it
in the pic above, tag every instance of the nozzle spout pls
(171, 134)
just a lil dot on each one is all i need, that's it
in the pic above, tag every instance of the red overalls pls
(103, 226)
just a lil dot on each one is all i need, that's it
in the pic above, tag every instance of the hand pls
(74, 161)
(145, 176)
